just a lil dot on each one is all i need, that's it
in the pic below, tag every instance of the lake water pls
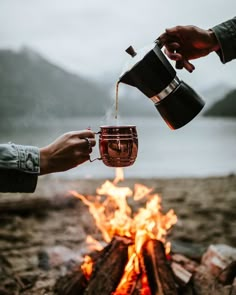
(204, 147)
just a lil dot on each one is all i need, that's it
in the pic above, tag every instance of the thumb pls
(162, 38)
(170, 30)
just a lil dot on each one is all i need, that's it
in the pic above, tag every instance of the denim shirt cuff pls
(19, 167)
(20, 157)
(226, 36)
(28, 159)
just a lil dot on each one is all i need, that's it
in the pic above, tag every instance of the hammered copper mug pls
(118, 145)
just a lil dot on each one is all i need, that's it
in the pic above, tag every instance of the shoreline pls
(205, 207)
(155, 182)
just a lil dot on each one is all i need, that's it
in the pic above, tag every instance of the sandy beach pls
(205, 207)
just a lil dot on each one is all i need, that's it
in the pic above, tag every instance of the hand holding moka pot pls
(153, 75)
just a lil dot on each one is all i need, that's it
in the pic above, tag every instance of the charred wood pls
(75, 282)
(72, 284)
(227, 276)
(155, 265)
(187, 289)
(132, 286)
(138, 288)
(109, 268)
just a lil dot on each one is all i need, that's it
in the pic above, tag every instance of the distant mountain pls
(214, 93)
(226, 107)
(32, 86)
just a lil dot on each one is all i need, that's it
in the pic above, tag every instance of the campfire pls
(44, 249)
(135, 258)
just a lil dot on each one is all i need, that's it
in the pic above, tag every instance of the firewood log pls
(187, 289)
(132, 286)
(137, 288)
(109, 269)
(181, 274)
(155, 265)
(73, 283)
(226, 277)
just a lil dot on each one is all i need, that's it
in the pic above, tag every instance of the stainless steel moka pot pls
(151, 72)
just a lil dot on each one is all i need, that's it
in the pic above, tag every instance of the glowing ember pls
(114, 216)
(87, 266)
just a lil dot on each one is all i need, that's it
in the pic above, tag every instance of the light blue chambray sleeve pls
(19, 167)
(226, 36)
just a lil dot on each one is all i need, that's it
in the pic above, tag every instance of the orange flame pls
(113, 216)
(87, 266)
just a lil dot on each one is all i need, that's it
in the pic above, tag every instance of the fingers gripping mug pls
(118, 145)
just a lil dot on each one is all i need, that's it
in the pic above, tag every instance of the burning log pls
(72, 284)
(109, 269)
(155, 265)
(132, 286)
(136, 287)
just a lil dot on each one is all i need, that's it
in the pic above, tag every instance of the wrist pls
(215, 46)
(44, 166)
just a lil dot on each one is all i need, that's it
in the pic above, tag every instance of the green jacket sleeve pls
(19, 168)
(226, 36)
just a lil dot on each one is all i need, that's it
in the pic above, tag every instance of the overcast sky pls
(90, 37)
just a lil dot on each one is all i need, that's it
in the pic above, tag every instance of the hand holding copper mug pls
(67, 151)
(118, 145)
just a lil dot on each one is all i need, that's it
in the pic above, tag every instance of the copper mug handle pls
(92, 160)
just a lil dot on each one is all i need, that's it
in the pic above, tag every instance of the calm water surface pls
(204, 147)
